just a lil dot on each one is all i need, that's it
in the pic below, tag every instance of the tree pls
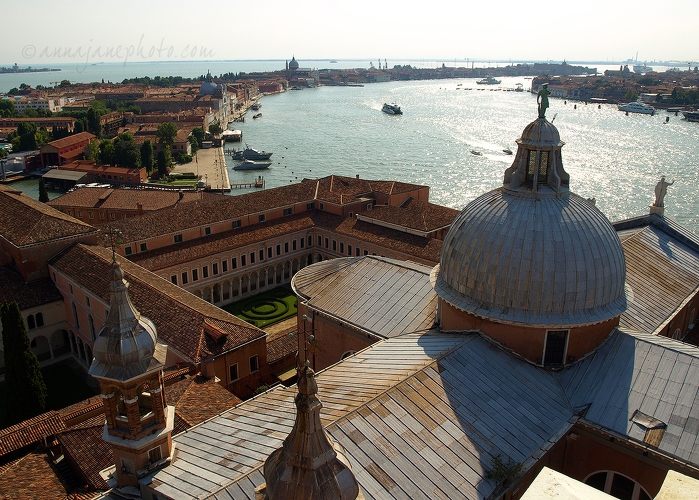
(215, 128)
(166, 133)
(630, 95)
(7, 108)
(126, 151)
(194, 144)
(26, 390)
(43, 193)
(92, 150)
(93, 122)
(164, 161)
(147, 156)
(107, 153)
(198, 134)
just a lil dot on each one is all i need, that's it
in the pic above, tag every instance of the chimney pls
(139, 208)
(357, 176)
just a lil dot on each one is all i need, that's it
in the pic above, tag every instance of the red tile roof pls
(182, 319)
(30, 431)
(71, 139)
(31, 477)
(26, 221)
(37, 293)
(282, 344)
(415, 214)
(123, 199)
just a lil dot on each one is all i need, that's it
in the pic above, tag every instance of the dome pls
(531, 252)
(208, 87)
(293, 65)
(126, 345)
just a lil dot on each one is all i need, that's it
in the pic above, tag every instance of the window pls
(342, 247)
(349, 250)
(234, 263)
(334, 246)
(327, 242)
(236, 224)
(70, 288)
(302, 240)
(254, 363)
(101, 215)
(207, 231)
(127, 251)
(111, 216)
(30, 322)
(617, 485)
(89, 214)
(555, 349)
(233, 372)
(310, 206)
(195, 275)
(80, 213)
(321, 206)
(91, 322)
(262, 218)
(287, 211)
(76, 323)
(178, 238)
(368, 206)
(214, 267)
(279, 249)
(205, 272)
(351, 215)
(184, 278)
(242, 260)
(40, 319)
(144, 247)
(262, 255)
(366, 252)
(252, 257)
(293, 244)
(310, 241)
(269, 252)
(224, 266)
(286, 247)
(173, 279)
(154, 455)
(320, 240)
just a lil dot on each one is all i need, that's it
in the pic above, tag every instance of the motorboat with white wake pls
(392, 109)
(252, 165)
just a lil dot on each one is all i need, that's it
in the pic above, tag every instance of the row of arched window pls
(35, 321)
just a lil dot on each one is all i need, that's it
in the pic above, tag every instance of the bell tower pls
(128, 363)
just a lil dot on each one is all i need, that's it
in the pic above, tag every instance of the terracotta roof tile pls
(30, 431)
(71, 139)
(415, 214)
(89, 452)
(180, 317)
(281, 345)
(123, 199)
(37, 293)
(427, 249)
(31, 477)
(26, 221)
(216, 243)
(203, 399)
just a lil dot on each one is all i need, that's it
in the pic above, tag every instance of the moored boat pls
(252, 165)
(691, 116)
(258, 115)
(489, 80)
(637, 107)
(392, 109)
(249, 154)
(256, 106)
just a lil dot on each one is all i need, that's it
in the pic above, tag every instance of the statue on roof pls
(661, 191)
(542, 99)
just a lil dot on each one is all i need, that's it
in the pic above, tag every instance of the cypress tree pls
(43, 194)
(25, 387)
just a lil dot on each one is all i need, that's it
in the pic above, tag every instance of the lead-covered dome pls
(531, 252)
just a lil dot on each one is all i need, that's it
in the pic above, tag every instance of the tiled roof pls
(30, 431)
(210, 210)
(281, 344)
(26, 221)
(424, 248)
(89, 451)
(71, 139)
(122, 199)
(414, 214)
(221, 242)
(36, 293)
(202, 399)
(343, 190)
(182, 319)
(31, 477)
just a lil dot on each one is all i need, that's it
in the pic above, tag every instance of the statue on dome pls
(661, 191)
(542, 99)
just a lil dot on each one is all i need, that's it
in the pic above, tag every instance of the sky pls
(40, 32)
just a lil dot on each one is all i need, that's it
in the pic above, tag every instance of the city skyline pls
(447, 30)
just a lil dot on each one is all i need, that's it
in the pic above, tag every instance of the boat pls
(258, 115)
(691, 116)
(641, 68)
(392, 109)
(489, 80)
(249, 154)
(519, 88)
(476, 153)
(507, 151)
(333, 61)
(252, 165)
(637, 107)
(256, 106)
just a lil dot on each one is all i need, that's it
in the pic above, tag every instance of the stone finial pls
(542, 99)
(308, 466)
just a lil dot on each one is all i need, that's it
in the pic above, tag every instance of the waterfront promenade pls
(210, 165)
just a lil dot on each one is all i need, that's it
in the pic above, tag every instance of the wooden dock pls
(257, 183)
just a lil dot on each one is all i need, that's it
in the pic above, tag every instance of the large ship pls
(392, 109)
(637, 107)
(489, 80)
(250, 154)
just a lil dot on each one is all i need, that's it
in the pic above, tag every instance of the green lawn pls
(266, 308)
(64, 387)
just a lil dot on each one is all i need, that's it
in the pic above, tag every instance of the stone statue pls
(542, 99)
(661, 191)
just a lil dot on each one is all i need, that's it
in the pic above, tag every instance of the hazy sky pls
(36, 32)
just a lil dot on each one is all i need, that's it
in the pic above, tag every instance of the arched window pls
(75, 315)
(617, 485)
(677, 334)
(30, 322)
(347, 354)
(39, 320)
(91, 322)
